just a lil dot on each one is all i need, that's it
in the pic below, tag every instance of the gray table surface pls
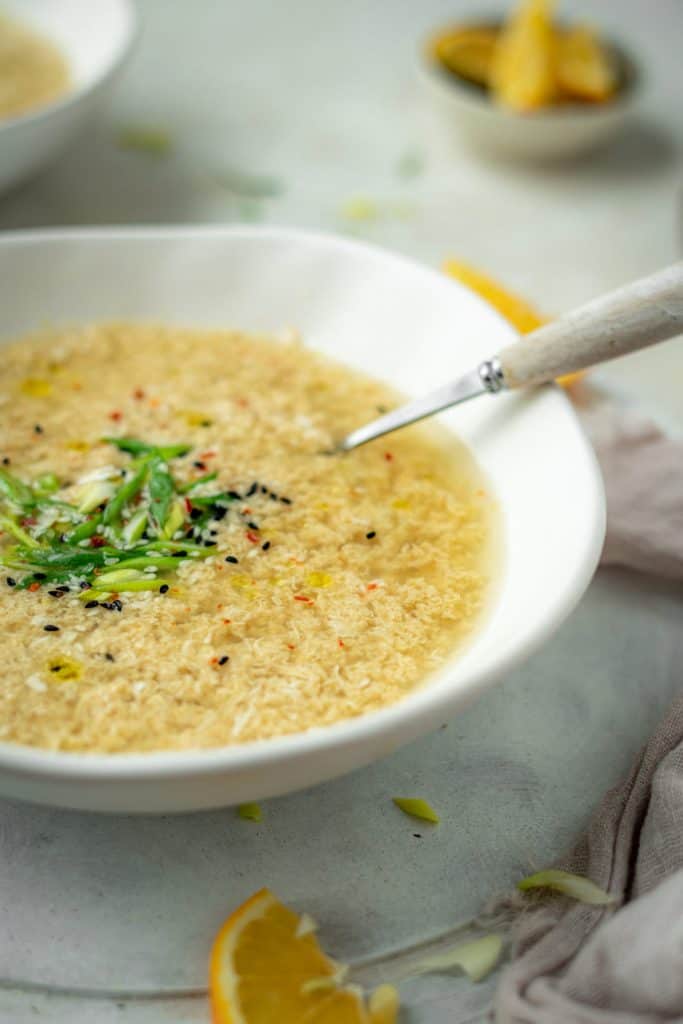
(110, 908)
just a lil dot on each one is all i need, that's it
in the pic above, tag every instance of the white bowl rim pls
(74, 96)
(422, 701)
(458, 87)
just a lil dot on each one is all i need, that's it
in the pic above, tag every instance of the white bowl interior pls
(407, 325)
(92, 35)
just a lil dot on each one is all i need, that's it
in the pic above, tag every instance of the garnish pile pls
(128, 529)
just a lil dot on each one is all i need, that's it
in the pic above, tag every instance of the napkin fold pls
(578, 964)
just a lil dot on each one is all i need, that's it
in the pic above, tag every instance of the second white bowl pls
(95, 37)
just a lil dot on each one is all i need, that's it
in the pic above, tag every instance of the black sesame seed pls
(37, 429)
(10, 581)
(235, 495)
(264, 490)
(273, 496)
(264, 547)
(56, 668)
(418, 835)
(371, 534)
(51, 629)
(223, 660)
(198, 464)
(63, 587)
(92, 604)
(232, 559)
(252, 526)
(109, 657)
(40, 576)
(84, 585)
(209, 543)
(163, 589)
(195, 513)
(252, 490)
(56, 593)
(205, 423)
(286, 501)
(219, 512)
(6, 460)
(179, 554)
(115, 606)
(213, 532)
(382, 409)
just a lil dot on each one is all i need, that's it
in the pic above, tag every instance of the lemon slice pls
(266, 968)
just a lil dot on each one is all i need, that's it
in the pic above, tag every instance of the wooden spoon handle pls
(633, 317)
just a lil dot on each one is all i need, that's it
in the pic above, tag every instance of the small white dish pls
(95, 38)
(389, 317)
(466, 113)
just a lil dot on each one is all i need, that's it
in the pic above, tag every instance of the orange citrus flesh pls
(263, 970)
(467, 52)
(584, 68)
(523, 66)
(519, 313)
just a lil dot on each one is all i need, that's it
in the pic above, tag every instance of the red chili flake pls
(34, 586)
(226, 622)
(388, 456)
(242, 402)
(207, 455)
(341, 643)
(29, 521)
(252, 537)
(302, 597)
(372, 586)
(116, 415)
(154, 402)
(139, 394)
(188, 506)
(291, 647)
(245, 512)
(213, 661)
(97, 541)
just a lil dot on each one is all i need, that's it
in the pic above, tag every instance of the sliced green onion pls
(145, 561)
(477, 958)
(14, 489)
(176, 518)
(126, 493)
(46, 484)
(161, 490)
(132, 585)
(187, 488)
(144, 139)
(85, 530)
(576, 886)
(118, 576)
(94, 493)
(134, 447)
(416, 808)
(135, 527)
(9, 526)
(249, 812)
(220, 498)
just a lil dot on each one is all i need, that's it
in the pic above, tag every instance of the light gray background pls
(322, 96)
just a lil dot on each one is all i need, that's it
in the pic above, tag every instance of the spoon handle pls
(635, 316)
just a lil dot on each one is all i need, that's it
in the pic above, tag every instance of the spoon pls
(633, 317)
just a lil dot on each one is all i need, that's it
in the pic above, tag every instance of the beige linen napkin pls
(578, 964)
(643, 473)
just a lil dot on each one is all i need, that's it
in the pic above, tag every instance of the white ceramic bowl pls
(414, 328)
(95, 36)
(466, 113)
